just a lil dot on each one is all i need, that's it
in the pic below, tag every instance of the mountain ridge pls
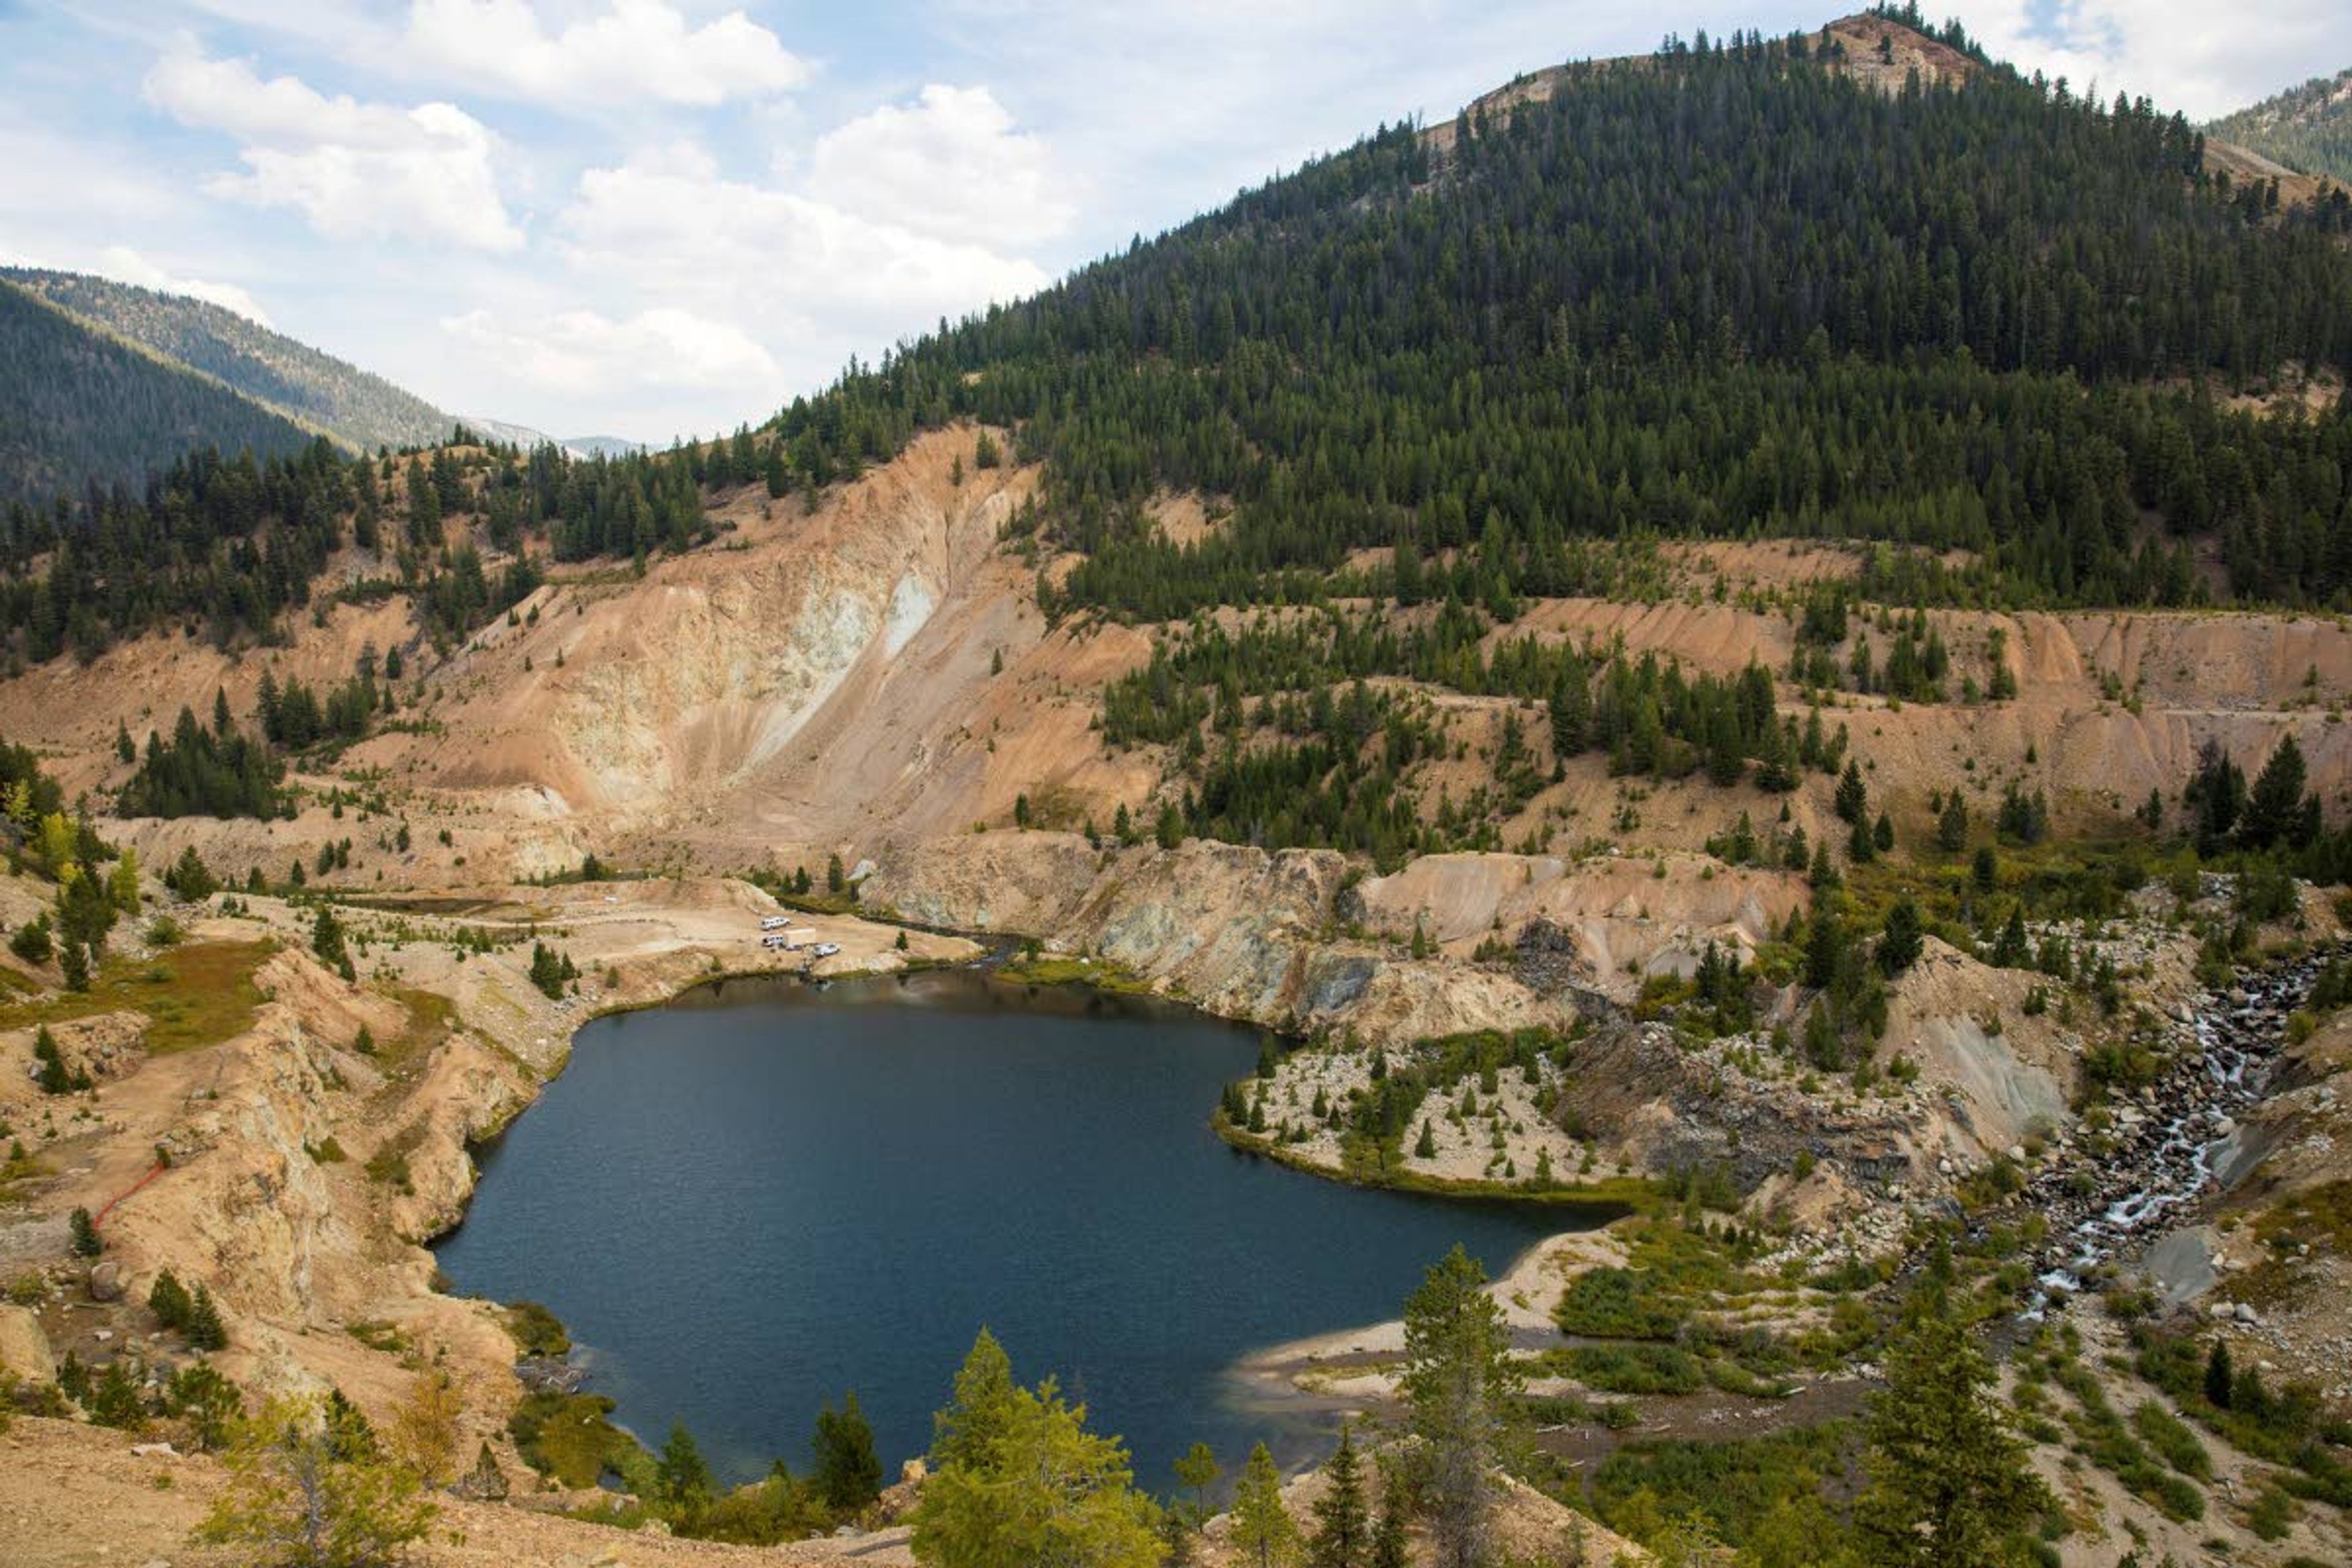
(2307, 128)
(358, 408)
(82, 406)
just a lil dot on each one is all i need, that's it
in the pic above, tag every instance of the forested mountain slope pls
(78, 406)
(2307, 128)
(1724, 290)
(361, 410)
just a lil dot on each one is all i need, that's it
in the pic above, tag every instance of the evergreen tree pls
(1022, 1481)
(2274, 810)
(1852, 795)
(1197, 1471)
(87, 1242)
(1263, 1533)
(1899, 943)
(847, 1476)
(1342, 1534)
(168, 1301)
(1825, 949)
(204, 1328)
(1389, 1539)
(1460, 1386)
(682, 1483)
(327, 939)
(1952, 826)
(50, 1064)
(976, 1417)
(2219, 1378)
(1949, 1483)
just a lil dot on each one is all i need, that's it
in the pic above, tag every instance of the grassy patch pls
(1630, 1368)
(2282, 1426)
(2101, 1438)
(569, 1436)
(1620, 1304)
(389, 1164)
(537, 1330)
(1736, 1486)
(196, 995)
(430, 1018)
(1103, 974)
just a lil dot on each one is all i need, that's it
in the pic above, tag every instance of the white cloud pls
(637, 49)
(2201, 60)
(581, 352)
(357, 171)
(126, 265)
(950, 164)
(667, 222)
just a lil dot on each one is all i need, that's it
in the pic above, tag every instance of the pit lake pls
(762, 1195)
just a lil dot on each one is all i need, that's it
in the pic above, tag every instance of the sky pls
(648, 218)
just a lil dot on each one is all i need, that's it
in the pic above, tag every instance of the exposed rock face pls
(23, 1348)
(1241, 931)
(1619, 918)
(106, 1047)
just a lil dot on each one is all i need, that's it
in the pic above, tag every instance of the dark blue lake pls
(758, 1198)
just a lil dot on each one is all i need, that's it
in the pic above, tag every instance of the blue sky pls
(644, 217)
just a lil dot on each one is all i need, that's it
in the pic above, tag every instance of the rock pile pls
(2111, 1197)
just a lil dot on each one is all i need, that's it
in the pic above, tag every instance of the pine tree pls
(1952, 826)
(1263, 1533)
(2220, 1379)
(974, 1418)
(1342, 1533)
(681, 1476)
(1852, 795)
(1949, 1483)
(1899, 943)
(849, 1475)
(1389, 1539)
(168, 1301)
(1022, 1481)
(1197, 1471)
(327, 939)
(87, 1242)
(205, 1330)
(2274, 811)
(1425, 1147)
(51, 1074)
(1460, 1385)
(1825, 945)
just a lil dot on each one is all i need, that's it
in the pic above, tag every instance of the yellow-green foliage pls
(569, 1436)
(199, 995)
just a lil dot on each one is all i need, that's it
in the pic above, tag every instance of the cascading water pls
(2166, 1137)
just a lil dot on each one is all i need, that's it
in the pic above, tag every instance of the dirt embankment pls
(296, 1165)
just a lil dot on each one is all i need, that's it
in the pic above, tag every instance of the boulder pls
(106, 1280)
